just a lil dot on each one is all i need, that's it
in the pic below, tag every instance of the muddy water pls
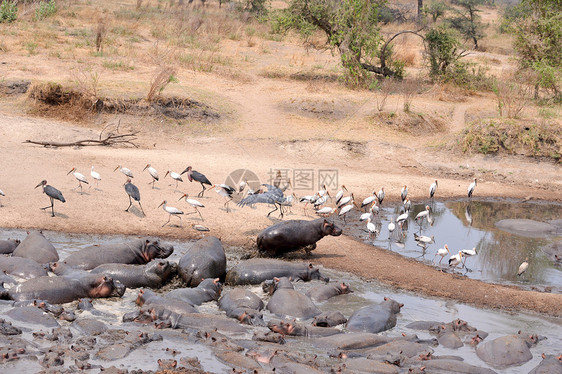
(467, 225)
(416, 309)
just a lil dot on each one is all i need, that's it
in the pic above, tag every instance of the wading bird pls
(242, 185)
(346, 200)
(308, 199)
(468, 253)
(340, 193)
(171, 211)
(404, 193)
(96, 176)
(344, 210)
(2, 194)
(432, 189)
(391, 227)
(523, 267)
(194, 203)
(326, 211)
(273, 196)
(53, 194)
(153, 173)
(225, 191)
(368, 201)
(323, 199)
(424, 241)
(471, 188)
(380, 195)
(125, 171)
(194, 175)
(407, 205)
(455, 260)
(134, 194)
(423, 214)
(79, 177)
(441, 252)
(175, 176)
(371, 227)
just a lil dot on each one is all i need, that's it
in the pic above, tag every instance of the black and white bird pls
(391, 227)
(468, 253)
(380, 195)
(175, 176)
(273, 196)
(344, 210)
(407, 205)
(423, 214)
(79, 177)
(225, 191)
(153, 173)
(340, 193)
(369, 200)
(455, 260)
(171, 211)
(432, 189)
(53, 194)
(96, 176)
(194, 203)
(523, 267)
(2, 194)
(471, 188)
(194, 175)
(134, 194)
(404, 193)
(424, 241)
(125, 171)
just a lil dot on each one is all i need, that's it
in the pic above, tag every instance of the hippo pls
(505, 351)
(36, 247)
(205, 259)
(329, 319)
(453, 366)
(286, 301)
(375, 318)
(152, 275)
(326, 291)
(148, 298)
(244, 305)
(59, 290)
(527, 227)
(292, 235)
(32, 315)
(208, 290)
(549, 364)
(258, 270)
(293, 328)
(25, 268)
(8, 246)
(140, 251)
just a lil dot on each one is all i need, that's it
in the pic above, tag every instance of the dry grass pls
(160, 80)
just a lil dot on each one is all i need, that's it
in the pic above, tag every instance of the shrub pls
(45, 9)
(8, 11)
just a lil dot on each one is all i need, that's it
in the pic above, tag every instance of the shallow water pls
(416, 309)
(467, 225)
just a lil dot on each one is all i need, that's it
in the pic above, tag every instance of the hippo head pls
(212, 286)
(251, 317)
(153, 249)
(59, 268)
(104, 286)
(281, 327)
(162, 268)
(311, 274)
(85, 304)
(394, 305)
(282, 282)
(328, 228)
(344, 288)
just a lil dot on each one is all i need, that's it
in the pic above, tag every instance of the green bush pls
(8, 11)
(45, 9)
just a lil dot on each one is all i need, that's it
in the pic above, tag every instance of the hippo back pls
(36, 247)
(258, 270)
(205, 259)
(374, 318)
(8, 246)
(21, 267)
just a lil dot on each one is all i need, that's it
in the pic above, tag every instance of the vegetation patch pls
(514, 137)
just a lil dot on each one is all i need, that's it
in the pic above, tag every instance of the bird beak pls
(145, 167)
(39, 184)
(344, 188)
(70, 171)
(184, 195)
(168, 172)
(161, 204)
(116, 168)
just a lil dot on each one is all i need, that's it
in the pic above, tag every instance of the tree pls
(436, 9)
(467, 21)
(351, 27)
(538, 37)
(420, 9)
(443, 50)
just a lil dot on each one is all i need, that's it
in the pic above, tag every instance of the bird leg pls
(180, 221)
(200, 194)
(197, 210)
(142, 210)
(169, 216)
(130, 203)
(275, 205)
(226, 204)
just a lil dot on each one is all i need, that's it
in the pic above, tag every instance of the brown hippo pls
(59, 290)
(152, 275)
(258, 270)
(505, 351)
(149, 299)
(8, 246)
(205, 259)
(36, 247)
(329, 319)
(325, 291)
(375, 318)
(292, 235)
(208, 290)
(21, 267)
(140, 251)
(286, 301)
(244, 305)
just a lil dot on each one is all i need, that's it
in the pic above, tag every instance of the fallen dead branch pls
(109, 139)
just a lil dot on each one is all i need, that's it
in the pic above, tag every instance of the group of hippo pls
(252, 331)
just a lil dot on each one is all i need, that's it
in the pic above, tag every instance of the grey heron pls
(134, 194)
(471, 188)
(79, 177)
(194, 175)
(171, 211)
(53, 194)
(153, 173)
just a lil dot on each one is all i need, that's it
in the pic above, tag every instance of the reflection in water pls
(467, 225)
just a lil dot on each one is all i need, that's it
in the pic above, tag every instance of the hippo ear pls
(275, 279)
(401, 305)
(310, 266)
(326, 223)
(216, 281)
(385, 298)
(174, 363)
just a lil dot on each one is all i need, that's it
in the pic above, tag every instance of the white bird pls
(442, 252)
(366, 216)
(326, 211)
(468, 253)
(380, 195)
(125, 171)
(153, 173)
(308, 199)
(432, 189)
(242, 185)
(371, 227)
(95, 175)
(175, 176)
(323, 199)
(391, 226)
(171, 211)
(369, 200)
(194, 203)
(346, 200)
(455, 260)
(424, 213)
(407, 205)
(79, 177)
(404, 193)
(523, 267)
(403, 217)
(323, 191)
(2, 194)
(340, 193)
(471, 188)
(225, 191)
(424, 241)
(344, 210)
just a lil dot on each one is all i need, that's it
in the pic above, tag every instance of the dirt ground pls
(267, 124)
